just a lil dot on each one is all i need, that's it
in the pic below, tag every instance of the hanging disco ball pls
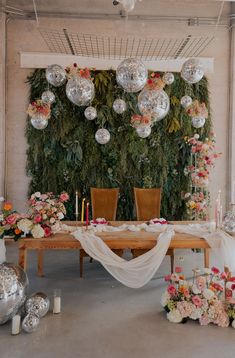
(168, 78)
(56, 75)
(128, 5)
(48, 97)
(119, 106)
(13, 283)
(192, 71)
(38, 303)
(102, 136)
(90, 113)
(186, 101)
(143, 132)
(131, 75)
(80, 90)
(39, 121)
(198, 122)
(30, 323)
(154, 102)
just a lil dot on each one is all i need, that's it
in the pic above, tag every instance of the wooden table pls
(140, 240)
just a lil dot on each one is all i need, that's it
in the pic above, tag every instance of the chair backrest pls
(147, 203)
(104, 203)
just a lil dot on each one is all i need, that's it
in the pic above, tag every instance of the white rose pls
(37, 231)
(37, 194)
(25, 225)
(195, 290)
(56, 227)
(2, 198)
(52, 220)
(187, 195)
(196, 314)
(44, 216)
(174, 316)
(165, 298)
(208, 294)
(233, 323)
(60, 216)
(196, 136)
(1, 217)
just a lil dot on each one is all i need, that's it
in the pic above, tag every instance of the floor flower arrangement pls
(42, 219)
(207, 299)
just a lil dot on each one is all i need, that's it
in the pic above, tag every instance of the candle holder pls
(57, 301)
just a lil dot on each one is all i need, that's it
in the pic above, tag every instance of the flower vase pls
(2, 251)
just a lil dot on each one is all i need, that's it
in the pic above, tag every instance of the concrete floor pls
(101, 318)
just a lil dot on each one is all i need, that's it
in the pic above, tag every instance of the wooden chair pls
(148, 203)
(104, 205)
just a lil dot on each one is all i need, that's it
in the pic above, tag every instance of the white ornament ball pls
(56, 75)
(48, 97)
(154, 102)
(186, 101)
(132, 75)
(119, 106)
(102, 136)
(192, 71)
(80, 90)
(39, 121)
(168, 78)
(198, 122)
(143, 132)
(90, 113)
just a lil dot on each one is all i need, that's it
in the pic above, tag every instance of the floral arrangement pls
(197, 109)
(74, 70)
(155, 82)
(99, 221)
(42, 219)
(160, 221)
(208, 299)
(39, 107)
(140, 121)
(197, 205)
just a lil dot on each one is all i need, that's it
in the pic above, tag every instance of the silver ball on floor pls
(30, 323)
(38, 303)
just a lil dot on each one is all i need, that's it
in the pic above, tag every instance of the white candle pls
(233, 193)
(219, 199)
(57, 304)
(221, 216)
(76, 205)
(216, 212)
(15, 327)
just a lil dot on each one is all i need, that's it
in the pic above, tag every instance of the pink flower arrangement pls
(140, 121)
(74, 70)
(200, 300)
(39, 107)
(197, 109)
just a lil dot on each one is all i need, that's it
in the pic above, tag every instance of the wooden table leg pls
(23, 258)
(40, 262)
(207, 258)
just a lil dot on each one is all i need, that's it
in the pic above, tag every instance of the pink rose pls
(178, 269)
(197, 301)
(11, 219)
(47, 231)
(168, 278)
(37, 218)
(215, 270)
(229, 293)
(171, 290)
(201, 282)
(64, 197)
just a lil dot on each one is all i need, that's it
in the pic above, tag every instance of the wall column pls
(2, 99)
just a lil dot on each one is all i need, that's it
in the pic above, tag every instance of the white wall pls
(23, 36)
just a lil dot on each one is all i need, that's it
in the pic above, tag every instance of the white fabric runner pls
(138, 271)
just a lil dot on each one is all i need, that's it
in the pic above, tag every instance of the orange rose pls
(7, 206)
(17, 231)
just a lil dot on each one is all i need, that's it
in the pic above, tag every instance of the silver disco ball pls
(90, 113)
(198, 122)
(80, 90)
(186, 101)
(39, 121)
(48, 97)
(38, 304)
(131, 75)
(229, 222)
(13, 283)
(102, 136)
(154, 102)
(192, 71)
(56, 75)
(168, 78)
(30, 323)
(119, 106)
(143, 132)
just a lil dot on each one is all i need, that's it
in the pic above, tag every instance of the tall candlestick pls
(233, 193)
(82, 212)
(221, 216)
(216, 213)
(87, 214)
(76, 205)
(15, 327)
(219, 199)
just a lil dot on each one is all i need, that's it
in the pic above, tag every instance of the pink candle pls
(87, 214)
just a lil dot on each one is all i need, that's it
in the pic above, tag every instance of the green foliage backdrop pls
(66, 156)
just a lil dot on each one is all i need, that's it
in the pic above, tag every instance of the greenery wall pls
(66, 156)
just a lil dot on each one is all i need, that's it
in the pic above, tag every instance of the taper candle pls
(233, 193)
(87, 214)
(82, 212)
(76, 205)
